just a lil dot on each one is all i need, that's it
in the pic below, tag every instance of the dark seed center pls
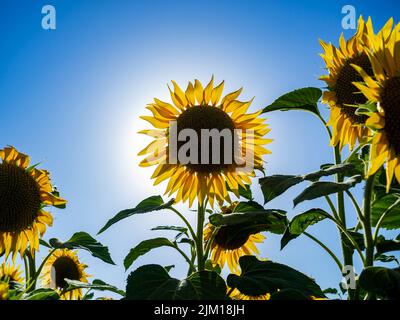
(347, 93)
(208, 117)
(231, 237)
(19, 199)
(390, 102)
(65, 268)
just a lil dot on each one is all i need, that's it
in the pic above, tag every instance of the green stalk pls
(347, 252)
(199, 237)
(369, 240)
(32, 270)
(27, 274)
(192, 267)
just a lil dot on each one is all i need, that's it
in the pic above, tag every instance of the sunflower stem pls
(199, 240)
(347, 252)
(32, 270)
(27, 275)
(368, 238)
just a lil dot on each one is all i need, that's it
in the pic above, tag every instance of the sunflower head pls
(11, 274)
(64, 264)
(383, 89)
(25, 192)
(184, 149)
(229, 243)
(4, 290)
(342, 95)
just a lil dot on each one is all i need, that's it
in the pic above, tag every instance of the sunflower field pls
(361, 90)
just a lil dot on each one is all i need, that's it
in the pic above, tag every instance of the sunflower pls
(64, 264)
(3, 291)
(229, 243)
(342, 95)
(383, 89)
(201, 109)
(11, 275)
(25, 192)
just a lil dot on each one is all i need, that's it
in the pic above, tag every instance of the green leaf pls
(381, 281)
(207, 285)
(273, 186)
(301, 222)
(171, 228)
(325, 171)
(289, 294)
(82, 240)
(182, 231)
(358, 238)
(88, 296)
(44, 243)
(154, 203)
(144, 247)
(330, 291)
(385, 258)
(324, 188)
(95, 285)
(41, 294)
(152, 282)
(262, 277)
(252, 217)
(392, 218)
(169, 268)
(383, 245)
(305, 99)
(243, 192)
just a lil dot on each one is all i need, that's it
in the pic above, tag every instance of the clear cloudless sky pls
(71, 98)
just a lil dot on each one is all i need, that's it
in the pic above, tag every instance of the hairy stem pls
(347, 252)
(199, 237)
(369, 241)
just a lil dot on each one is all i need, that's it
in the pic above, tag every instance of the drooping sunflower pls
(64, 264)
(383, 88)
(231, 242)
(25, 192)
(200, 109)
(11, 274)
(342, 95)
(3, 291)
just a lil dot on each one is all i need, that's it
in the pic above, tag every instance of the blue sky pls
(71, 99)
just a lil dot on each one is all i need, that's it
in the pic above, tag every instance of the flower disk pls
(19, 198)
(64, 264)
(24, 195)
